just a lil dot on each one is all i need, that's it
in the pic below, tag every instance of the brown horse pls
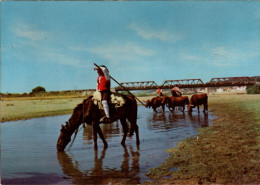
(172, 102)
(197, 100)
(155, 102)
(88, 112)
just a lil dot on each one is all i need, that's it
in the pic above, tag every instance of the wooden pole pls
(123, 87)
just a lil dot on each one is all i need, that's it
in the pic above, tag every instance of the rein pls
(77, 130)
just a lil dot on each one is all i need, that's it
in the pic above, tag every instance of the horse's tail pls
(131, 113)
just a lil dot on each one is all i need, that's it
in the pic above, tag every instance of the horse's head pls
(148, 104)
(81, 114)
(64, 138)
(190, 107)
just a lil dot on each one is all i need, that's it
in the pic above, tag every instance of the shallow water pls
(29, 156)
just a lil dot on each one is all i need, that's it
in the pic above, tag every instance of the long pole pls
(123, 87)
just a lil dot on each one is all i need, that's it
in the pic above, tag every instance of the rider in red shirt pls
(159, 91)
(103, 86)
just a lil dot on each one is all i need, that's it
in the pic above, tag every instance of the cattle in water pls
(173, 102)
(197, 100)
(155, 103)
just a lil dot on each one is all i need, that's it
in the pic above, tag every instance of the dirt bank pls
(227, 152)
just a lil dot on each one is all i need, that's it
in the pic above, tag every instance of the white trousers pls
(106, 108)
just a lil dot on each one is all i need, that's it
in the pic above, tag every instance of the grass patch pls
(22, 108)
(225, 153)
(33, 108)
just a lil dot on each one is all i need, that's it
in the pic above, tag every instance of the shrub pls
(38, 89)
(255, 89)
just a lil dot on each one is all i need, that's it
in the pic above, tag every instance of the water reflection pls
(163, 122)
(109, 131)
(128, 172)
(199, 120)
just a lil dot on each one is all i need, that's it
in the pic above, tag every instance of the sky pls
(54, 44)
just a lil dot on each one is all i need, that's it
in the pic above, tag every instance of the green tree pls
(38, 89)
(255, 89)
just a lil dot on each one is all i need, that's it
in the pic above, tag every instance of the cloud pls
(162, 35)
(116, 52)
(190, 57)
(44, 52)
(63, 58)
(220, 55)
(220, 51)
(28, 32)
(228, 56)
(26, 46)
(233, 54)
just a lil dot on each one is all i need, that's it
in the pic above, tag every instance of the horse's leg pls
(154, 109)
(137, 134)
(169, 107)
(204, 108)
(97, 130)
(134, 128)
(94, 126)
(198, 108)
(125, 128)
(131, 115)
(100, 133)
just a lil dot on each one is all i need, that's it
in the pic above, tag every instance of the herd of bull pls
(171, 102)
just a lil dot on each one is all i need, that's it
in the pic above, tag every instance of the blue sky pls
(54, 44)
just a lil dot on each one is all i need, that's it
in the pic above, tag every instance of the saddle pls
(116, 100)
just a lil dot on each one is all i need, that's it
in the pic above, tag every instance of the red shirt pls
(103, 84)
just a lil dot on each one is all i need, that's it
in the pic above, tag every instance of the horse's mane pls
(84, 101)
(79, 106)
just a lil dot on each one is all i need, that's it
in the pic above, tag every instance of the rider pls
(159, 92)
(176, 92)
(103, 86)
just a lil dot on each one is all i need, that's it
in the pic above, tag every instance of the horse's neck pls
(73, 126)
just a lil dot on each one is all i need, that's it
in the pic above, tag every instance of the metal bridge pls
(145, 85)
(186, 83)
(189, 83)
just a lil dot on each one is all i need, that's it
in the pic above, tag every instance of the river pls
(29, 156)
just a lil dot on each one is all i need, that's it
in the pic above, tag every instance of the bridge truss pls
(189, 83)
(145, 85)
(182, 83)
(230, 81)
